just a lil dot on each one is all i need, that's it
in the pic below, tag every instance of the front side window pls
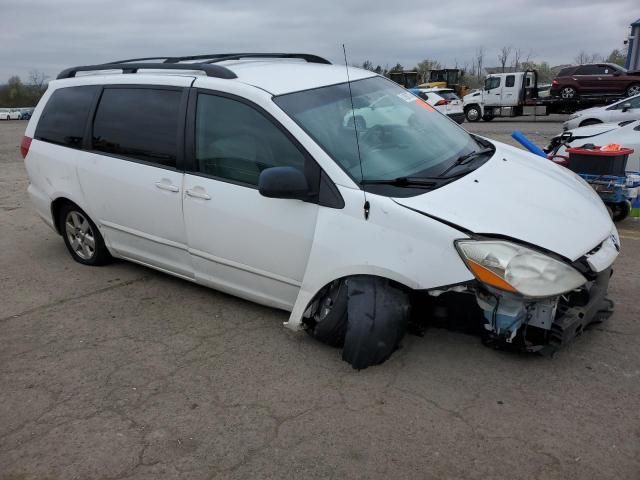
(491, 82)
(64, 118)
(236, 142)
(406, 138)
(139, 123)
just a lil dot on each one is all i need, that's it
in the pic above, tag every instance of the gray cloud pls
(49, 35)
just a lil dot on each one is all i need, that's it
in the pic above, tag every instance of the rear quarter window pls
(65, 115)
(565, 72)
(448, 94)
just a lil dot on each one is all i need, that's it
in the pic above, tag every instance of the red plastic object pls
(597, 152)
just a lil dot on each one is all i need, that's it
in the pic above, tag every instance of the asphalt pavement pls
(123, 372)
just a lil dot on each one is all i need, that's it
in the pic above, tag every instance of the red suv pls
(595, 79)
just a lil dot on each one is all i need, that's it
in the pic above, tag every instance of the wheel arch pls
(308, 295)
(56, 206)
(589, 121)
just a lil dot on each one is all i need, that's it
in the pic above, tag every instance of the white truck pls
(517, 93)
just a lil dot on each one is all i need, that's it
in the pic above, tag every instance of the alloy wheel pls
(80, 235)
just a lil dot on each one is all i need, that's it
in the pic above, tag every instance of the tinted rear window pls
(65, 116)
(140, 123)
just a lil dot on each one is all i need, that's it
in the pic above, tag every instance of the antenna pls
(355, 129)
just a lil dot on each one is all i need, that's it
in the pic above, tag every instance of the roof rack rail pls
(210, 70)
(206, 63)
(220, 57)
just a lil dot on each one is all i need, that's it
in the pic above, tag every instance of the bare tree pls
(425, 66)
(503, 56)
(37, 79)
(520, 59)
(583, 57)
(479, 61)
(367, 65)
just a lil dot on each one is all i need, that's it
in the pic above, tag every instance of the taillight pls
(24, 146)
(442, 102)
(555, 82)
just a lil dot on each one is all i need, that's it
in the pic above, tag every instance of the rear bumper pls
(456, 117)
(42, 204)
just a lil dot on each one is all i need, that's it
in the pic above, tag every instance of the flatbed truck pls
(516, 94)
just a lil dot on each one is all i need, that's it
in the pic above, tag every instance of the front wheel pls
(82, 237)
(473, 113)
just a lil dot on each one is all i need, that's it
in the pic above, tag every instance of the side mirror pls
(283, 182)
(626, 106)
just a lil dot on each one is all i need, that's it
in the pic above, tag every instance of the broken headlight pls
(514, 268)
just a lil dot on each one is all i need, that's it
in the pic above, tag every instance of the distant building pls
(633, 56)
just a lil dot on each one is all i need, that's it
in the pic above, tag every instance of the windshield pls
(398, 134)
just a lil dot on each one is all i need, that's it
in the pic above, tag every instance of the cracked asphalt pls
(122, 372)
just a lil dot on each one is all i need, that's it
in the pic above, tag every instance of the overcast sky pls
(49, 35)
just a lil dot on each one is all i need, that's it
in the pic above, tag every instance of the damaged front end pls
(529, 300)
(542, 325)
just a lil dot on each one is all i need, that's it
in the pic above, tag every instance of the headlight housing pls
(574, 116)
(517, 269)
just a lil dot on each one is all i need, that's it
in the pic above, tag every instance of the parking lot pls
(124, 372)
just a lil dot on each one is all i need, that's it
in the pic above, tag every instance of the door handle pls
(167, 186)
(198, 194)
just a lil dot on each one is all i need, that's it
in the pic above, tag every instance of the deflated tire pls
(377, 317)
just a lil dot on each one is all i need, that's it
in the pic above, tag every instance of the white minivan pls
(238, 171)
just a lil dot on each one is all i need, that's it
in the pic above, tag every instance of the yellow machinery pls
(447, 78)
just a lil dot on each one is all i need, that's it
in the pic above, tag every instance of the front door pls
(131, 178)
(493, 91)
(241, 242)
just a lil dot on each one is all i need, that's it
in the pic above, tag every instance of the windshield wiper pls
(464, 159)
(402, 182)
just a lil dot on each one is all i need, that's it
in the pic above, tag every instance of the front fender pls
(394, 243)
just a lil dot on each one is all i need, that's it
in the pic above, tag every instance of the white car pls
(10, 114)
(444, 100)
(240, 173)
(626, 134)
(620, 111)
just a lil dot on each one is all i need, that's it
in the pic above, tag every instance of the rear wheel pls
(590, 121)
(82, 237)
(568, 93)
(473, 113)
(633, 90)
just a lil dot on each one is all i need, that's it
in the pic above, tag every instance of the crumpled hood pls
(525, 197)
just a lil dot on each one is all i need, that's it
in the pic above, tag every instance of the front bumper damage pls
(543, 325)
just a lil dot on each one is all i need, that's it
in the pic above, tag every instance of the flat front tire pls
(82, 237)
